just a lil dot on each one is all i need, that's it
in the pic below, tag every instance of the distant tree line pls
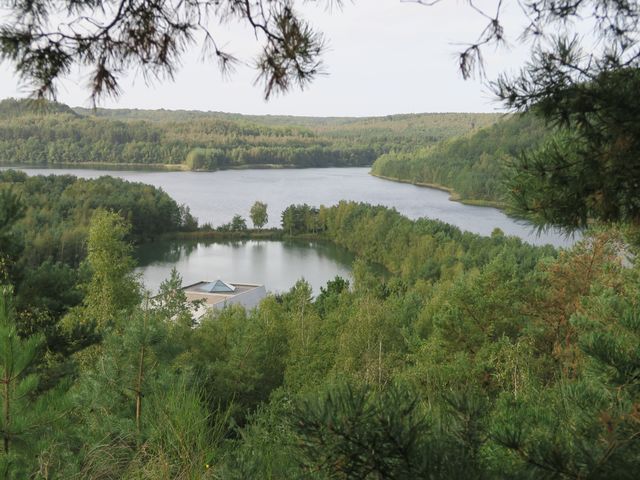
(39, 133)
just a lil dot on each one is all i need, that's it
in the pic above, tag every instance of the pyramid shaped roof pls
(218, 287)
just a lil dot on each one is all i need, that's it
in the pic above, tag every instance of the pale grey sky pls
(384, 57)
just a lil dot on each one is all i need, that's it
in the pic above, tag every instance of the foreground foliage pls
(474, 356)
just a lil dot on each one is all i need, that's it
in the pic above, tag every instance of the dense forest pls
(471, 165)
(43, 253)
(37, 133)
(462, 360)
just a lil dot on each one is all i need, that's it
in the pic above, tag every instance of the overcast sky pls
(384, 57)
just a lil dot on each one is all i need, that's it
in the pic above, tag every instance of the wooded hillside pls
(471, 164)
(37, 133)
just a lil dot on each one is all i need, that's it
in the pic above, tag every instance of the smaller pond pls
(275, 264)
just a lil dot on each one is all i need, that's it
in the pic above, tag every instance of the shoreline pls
(158, 167)
(453, 195)
(249, 234)
(165, 167)
(180, 167)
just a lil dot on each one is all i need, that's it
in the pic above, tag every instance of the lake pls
(215, 197)
(275, 264)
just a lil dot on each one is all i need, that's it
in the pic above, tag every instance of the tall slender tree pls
(113, 287)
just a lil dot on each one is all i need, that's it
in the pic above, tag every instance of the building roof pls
(218, 294)
(218, 287)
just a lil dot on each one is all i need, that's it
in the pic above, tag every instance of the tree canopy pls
(470, 356)
(46, 40)
(470, 165)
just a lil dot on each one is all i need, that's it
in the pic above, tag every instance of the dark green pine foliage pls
(328, 298)
(171, 301)
(590, 169)
(350, 432)
(118, 385)
(587, 426)
(27, 415)
(139, 419)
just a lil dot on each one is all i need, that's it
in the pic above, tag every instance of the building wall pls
(248, 299)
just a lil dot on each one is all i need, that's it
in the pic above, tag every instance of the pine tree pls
(171, 301)
(587, 426)
(112, 392)
(350, 432)
(25, 413)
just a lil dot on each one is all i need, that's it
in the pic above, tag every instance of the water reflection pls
(276, 264)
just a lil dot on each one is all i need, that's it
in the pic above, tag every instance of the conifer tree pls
(586, 425)
(356, 432)
(171, 301)
(112, 392)
(25, 414)
(184, 436)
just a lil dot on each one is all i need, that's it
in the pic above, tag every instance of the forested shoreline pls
(465, 154)
(473, 166)
(43, 254)
(50, 134)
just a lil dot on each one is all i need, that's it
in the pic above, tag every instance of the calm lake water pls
(216, 197)
(275, 264)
